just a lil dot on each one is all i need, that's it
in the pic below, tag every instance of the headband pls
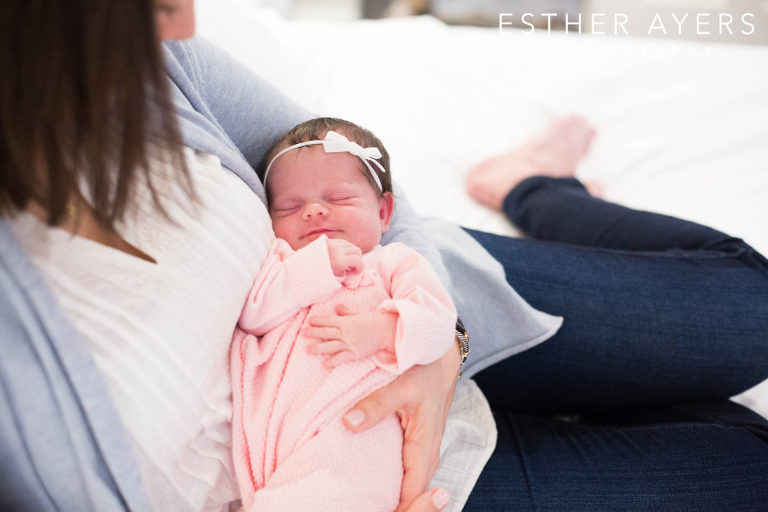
(335, 142)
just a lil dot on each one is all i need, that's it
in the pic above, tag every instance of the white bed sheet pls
(682, 126)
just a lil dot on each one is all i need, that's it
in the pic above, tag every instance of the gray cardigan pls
(62, 446)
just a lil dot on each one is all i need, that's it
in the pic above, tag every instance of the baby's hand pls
(348, 336)
(346, 258)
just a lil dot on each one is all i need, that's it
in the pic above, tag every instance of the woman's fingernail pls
(440, 498)
(355, 417)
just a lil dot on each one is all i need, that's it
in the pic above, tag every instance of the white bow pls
(335, 142)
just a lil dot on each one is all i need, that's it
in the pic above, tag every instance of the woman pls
(137, 308)
(62, 441)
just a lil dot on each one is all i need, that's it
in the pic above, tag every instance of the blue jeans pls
(664, 320)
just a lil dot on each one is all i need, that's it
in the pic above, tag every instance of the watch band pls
(463, 337)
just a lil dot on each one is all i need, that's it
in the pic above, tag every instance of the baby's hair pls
(315, 129)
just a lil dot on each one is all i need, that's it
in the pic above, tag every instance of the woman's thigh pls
(640, 329)
(703, 456)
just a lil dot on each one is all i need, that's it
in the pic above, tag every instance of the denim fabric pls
(698, 457)
(658, 312)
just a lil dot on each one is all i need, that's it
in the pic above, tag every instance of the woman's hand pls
(421, 397)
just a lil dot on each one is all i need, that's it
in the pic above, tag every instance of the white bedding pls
(682, 126)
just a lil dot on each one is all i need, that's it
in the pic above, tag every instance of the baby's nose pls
(313, 210)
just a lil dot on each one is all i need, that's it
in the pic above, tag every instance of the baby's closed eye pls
(285, 206)
(341, 198)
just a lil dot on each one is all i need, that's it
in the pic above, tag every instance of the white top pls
(161, 332)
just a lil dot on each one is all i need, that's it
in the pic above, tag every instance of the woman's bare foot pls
(555, 151)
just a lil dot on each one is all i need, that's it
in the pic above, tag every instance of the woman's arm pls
(238, 104)
(407, 228)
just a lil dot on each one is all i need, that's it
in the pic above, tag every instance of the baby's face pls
(315, 193)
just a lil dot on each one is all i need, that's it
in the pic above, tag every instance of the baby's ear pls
(386, 209)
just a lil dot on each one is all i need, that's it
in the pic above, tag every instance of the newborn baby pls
(331, 317)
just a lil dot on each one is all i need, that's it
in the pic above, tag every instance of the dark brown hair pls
(84, 100)
(315, 129)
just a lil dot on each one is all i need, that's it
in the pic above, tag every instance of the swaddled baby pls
(331, 317)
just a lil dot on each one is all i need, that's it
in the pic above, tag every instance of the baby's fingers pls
(326, 347)
(354, 263)
(323, 321)
(322, 333)
(339, 359)
(357, 264)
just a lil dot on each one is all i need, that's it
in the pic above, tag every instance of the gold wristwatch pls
(463, 337)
